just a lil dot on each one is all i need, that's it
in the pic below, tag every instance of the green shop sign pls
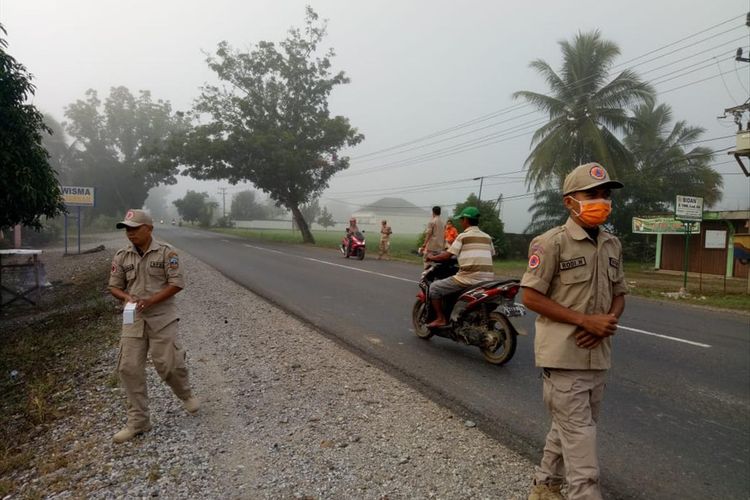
(662, 225)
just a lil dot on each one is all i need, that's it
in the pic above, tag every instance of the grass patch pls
(49, 351)
(403, 246)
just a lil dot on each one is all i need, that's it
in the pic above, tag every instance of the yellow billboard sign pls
(78, 196)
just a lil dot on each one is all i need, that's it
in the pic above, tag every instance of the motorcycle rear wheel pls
(505, 348)
(419, 321)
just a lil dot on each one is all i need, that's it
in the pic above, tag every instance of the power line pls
(578, 83)
(487, 139)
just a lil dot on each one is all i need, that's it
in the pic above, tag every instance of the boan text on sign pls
(688, 208)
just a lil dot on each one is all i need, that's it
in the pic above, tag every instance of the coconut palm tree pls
(586, 109)
(666, 161)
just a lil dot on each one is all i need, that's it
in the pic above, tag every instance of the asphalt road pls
(676, 416)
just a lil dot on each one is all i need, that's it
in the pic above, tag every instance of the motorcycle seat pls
(493, 283)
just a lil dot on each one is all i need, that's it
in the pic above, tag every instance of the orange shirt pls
(450, 234)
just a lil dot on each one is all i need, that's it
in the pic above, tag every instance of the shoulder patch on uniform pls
(173, 259)
(614, 262)
(572, 263)
(114, 268)
(534, 261)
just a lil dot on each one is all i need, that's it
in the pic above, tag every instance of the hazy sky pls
(417, 67)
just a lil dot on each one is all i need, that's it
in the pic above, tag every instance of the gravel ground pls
(287, 413)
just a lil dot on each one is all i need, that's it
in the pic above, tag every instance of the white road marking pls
(644, 332)
(636, 330)
(267, 250)
(360, 270)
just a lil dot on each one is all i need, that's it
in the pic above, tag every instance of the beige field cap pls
(586, 177)
(135, 218)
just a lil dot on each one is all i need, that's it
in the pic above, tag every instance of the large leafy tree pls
(326, 218)
(29, 189)
(586, 109)
(489, 221)
(269, 120)
(119, 145)
(245, 206)
(196, 207)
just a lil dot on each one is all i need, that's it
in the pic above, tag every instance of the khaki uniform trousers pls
(385, 245)
(169, 360)
(573, 398)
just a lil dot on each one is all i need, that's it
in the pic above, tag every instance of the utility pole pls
(481, 181)
(223, 193)
(743, 136)
(499, 206)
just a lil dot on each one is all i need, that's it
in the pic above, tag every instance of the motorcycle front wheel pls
(360, 253)
(419, 320)
(499, 329)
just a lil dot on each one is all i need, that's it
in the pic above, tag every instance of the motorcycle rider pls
(351, 231)
(474, 251)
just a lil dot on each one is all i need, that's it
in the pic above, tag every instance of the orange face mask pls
(593, 212)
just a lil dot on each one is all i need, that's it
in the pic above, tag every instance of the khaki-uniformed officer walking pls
(575, 282)
(148, 274)
(385, 239)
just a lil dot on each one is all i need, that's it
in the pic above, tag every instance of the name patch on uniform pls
(614, 262)
(154, 263)
(127, 268)
(572, 263)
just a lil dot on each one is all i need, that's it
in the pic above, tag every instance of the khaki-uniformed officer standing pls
(148, 274)
(575, 282)
(385, 239)
(434, 237)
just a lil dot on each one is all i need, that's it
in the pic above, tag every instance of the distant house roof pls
(394, 206)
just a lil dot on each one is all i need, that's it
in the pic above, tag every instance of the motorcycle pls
(484, 315)
(355, 248)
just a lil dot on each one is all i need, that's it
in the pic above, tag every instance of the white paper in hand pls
(128, 314)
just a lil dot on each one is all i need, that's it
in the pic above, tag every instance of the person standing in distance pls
(385, 239)
(434, 236)
(148, 274)
(575, 282)
(450, 234)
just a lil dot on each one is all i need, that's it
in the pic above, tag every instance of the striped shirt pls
(474, 250)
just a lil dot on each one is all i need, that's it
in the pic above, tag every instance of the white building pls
(402, 216)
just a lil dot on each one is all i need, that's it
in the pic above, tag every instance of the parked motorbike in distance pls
(357, 246)
(484, 315)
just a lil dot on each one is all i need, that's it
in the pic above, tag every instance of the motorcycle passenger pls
(474, 251)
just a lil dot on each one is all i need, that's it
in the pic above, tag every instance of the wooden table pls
(33, 262)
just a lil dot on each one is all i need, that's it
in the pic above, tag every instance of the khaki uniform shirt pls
(144, 276)
(385, 234)
(567, 266)
(435, 235)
